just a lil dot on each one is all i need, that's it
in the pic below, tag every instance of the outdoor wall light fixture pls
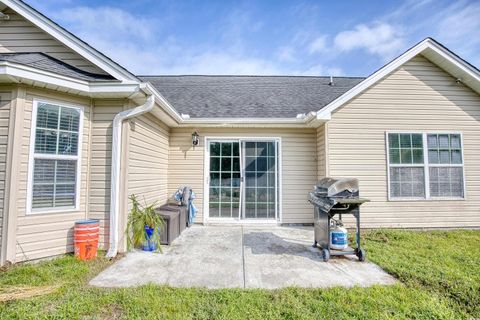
(195, 138)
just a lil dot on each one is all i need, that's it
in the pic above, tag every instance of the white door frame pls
(206, 178)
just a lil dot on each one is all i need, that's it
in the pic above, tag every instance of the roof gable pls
(19, 35)
(429, 48)
(93, 60)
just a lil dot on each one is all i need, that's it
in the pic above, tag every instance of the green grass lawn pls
(439, 275)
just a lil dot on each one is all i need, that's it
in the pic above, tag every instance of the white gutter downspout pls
(115, 174)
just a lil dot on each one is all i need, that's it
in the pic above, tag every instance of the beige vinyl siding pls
(100, 163)
(148, 159)
(298, 163)
(418, 96)
(5, 100)
(19, 35)
(321, 150)
(47, 234)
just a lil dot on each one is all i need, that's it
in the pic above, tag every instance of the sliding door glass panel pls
(224, 199)
(260, 180)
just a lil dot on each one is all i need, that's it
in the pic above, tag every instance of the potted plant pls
(144, 226)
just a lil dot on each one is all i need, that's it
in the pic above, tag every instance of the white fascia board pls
(20, 71)
(325, 113)
(111, 87)
(454, 60)
(242, 120)
(250, 121)
(70, 40)
(25, 72)
(246, 122)
(427, 44)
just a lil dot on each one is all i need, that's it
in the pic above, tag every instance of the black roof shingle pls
(249, 96)
(220, 96)
(45, 62)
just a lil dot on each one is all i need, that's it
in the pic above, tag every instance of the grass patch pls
(439, 273)
(444, 262)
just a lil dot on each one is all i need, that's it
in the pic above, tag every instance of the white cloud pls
(381, 39)
(461, 26)
(136, 42)
(107, 22)
(319, 44)
(286, 54)
(146, 42)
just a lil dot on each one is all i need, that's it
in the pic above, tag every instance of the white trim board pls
(432, 50)
(425, 165)
(22, 72)
(31, 158)
(70, 40)
(206, 171)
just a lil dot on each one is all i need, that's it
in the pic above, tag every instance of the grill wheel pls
(361, 255)
(325, 255)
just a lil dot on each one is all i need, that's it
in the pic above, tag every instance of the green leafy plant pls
(139, 217)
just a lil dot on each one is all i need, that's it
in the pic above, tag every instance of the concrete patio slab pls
(241, 257)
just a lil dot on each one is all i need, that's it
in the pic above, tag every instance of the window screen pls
(407, 182)
(410, 159)
(55, 156)
(407, 172)
(445, 165)
(446, 182)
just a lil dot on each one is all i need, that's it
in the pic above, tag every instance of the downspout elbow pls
(115, 170)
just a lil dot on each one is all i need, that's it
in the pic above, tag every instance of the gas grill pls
(331, 199)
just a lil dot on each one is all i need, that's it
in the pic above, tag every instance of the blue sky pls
(265, 37)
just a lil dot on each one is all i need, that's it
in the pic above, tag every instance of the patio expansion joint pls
(243, 259)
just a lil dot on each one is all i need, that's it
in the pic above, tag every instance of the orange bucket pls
(85, 235)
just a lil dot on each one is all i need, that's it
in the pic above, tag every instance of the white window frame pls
(32, 156)
(206, 178)
(425, 166)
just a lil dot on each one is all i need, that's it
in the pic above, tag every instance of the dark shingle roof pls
(249, 96)
(45, 62)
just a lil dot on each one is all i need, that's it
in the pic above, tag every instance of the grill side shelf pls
(351, 200)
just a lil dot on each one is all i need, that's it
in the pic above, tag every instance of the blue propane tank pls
(338, 237)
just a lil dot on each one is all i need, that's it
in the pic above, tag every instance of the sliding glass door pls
(260, 187)
(224, 197)
(243, 179)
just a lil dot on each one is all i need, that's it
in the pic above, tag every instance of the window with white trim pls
(54, 162)
(425, 166)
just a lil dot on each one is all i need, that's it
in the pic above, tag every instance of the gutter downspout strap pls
(115, 173)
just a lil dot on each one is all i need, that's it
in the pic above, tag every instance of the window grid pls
(66, 120)
(429, 183)
(405, 148)
(265, 209)
(263, 205)
(218, 187)
(444, 149)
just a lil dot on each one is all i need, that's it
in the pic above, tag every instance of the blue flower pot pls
(149, 245)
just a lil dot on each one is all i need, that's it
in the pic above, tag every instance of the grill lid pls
(328, 187)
